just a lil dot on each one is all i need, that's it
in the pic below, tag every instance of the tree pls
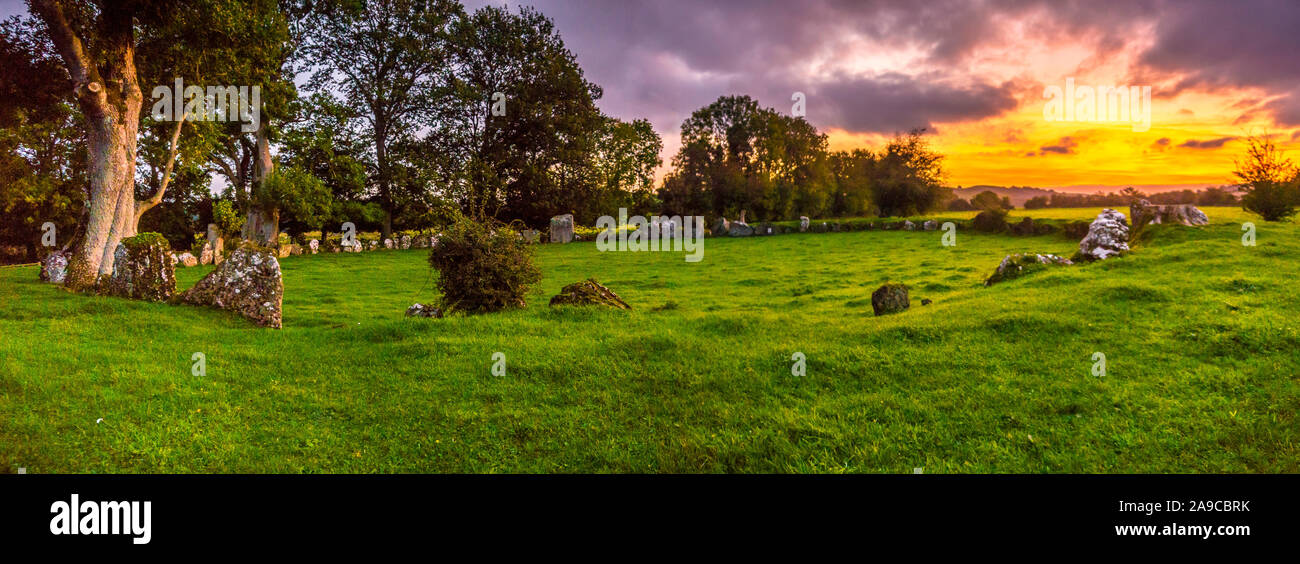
(42, 159)
(852, 171)
(97, 46)
(1270, 180)
(383, 57)
(1037, 203)
(514, 136)
(907, 176)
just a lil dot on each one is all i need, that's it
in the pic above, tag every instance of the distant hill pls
(1018, 194)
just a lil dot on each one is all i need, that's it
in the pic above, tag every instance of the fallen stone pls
(421, 310)
(187, 258)
(1143, 212)
(588, 292)
(721, 227)
(1020, 264)
(930, 225)
(248, 283)
(739, 229)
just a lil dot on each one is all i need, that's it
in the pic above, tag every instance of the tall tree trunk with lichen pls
(262, 225)
(108, 94)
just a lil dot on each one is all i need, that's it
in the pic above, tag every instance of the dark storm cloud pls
(665, 58)
(1211, 45)
(1205, 144)
(1065, 146)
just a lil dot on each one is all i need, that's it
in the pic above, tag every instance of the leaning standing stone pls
(247, 283)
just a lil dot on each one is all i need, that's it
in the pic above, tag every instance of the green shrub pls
(991, 221)
(484, 266)
(227, 219)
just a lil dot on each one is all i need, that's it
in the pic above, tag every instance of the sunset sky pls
(973, 72)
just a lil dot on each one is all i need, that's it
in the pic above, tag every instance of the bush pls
(227, 219)
(991, 221)
(1274, 201)
(484, 266)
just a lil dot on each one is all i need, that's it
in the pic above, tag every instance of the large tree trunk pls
(262, 225)
(108, 94)
(381, 160)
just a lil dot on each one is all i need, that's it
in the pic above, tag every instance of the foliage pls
(300, 196)
(483, 266)
(226, 218)
(991, 220)
(1271, 181)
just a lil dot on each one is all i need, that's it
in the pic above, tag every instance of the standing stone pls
(562, 228)
(388, 244)
(215, 244)
(284, 251)
(890, 298)
(314, 245)
(908, 225)
(930, 225)
(143, 269)
(1107, 236)
(804, 222)
(248, 283)
(205, 255)
(406, 242)
(54, 269)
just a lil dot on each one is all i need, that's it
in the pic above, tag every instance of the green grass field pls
(1201, 337)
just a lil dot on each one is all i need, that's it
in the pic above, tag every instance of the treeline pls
(390, 115)
(1211, 196)
(737, 156)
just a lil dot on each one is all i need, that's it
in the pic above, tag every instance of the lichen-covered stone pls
(562, 228)
(890, 298)
(739, 229)
(314, 245)
(588, 292)
(248, 283)
(1142, 212)
(54, 269)
(421, 310)
(1107, 236)
(143, 269)
(1017, 265)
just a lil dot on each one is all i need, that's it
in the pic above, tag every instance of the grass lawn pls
(1201, 337)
